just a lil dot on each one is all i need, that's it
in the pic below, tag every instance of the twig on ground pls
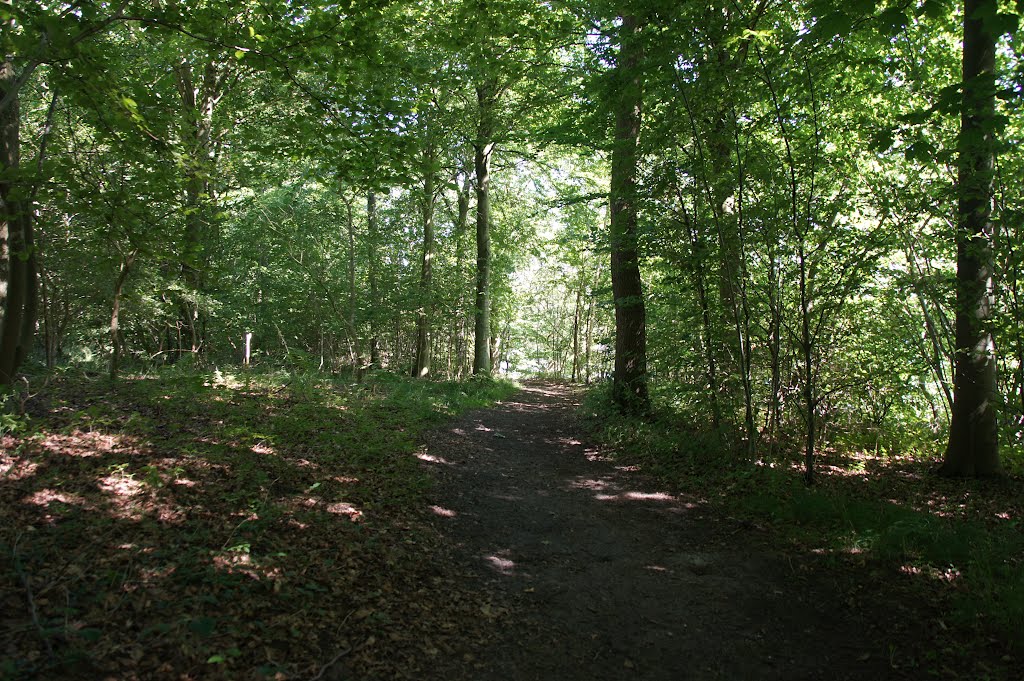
(334, 661)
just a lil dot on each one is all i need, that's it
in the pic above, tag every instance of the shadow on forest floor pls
(207, 526)
(202, 526)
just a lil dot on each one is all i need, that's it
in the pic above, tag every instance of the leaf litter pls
(175, 529)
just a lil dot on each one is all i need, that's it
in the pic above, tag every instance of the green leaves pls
(892, 20)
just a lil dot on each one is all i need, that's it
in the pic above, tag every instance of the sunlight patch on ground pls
(593, 484)
(12, 469)
(345, 509)
(87, 444)
(947, 575)
(548, 391)
(635, 496)
(501, 564)
(422, 455)
(130, 500)
(524, 407)
(341, 508)
(120, 485)
(263, 448)
(241, 562)
(45, 497)
(649, 496)
(443, 512)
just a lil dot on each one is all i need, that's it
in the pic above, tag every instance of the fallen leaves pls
(178, 531)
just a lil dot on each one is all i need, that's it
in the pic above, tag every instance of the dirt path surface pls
(597, 574)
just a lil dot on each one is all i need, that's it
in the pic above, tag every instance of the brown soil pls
(596, 573)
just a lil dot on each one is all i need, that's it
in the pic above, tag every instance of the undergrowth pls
(955, 539)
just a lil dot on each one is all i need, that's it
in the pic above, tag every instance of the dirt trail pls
(607, 577)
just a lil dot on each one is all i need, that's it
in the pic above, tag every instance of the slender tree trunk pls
(115, 321)
(937, 357)
(47, 322)
(774, 349)
(629, 387)
(461, 224)
(807, 349)
(973, 448)
(353, 343)
(371, 252)
(484, 146)
(494, 346)
(742, 309)
(696, 263)
(576, 332)
(421, 366)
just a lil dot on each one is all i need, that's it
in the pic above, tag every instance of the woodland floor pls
(606, 576)
(196, 528)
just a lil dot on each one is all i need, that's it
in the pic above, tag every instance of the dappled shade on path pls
(604, 575)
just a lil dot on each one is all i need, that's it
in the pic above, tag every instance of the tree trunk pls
(14, 232)
(199, 98)
(807, 350)
(696, 263)
(495, 343)
(484, 146)
(462, 221)
(421, 366)
(576, 332)
(371, 248)
(973, 448)
(629, 387)
(115, 321)
(353, 343)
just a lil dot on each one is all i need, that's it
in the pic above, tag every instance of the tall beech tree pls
(973, 448)
(629, 388)
(17, 260)
(487, 95)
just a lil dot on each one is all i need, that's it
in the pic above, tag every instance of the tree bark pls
(576, 331)
(973, 448)
(629, 386)
(355, 360)
(483, 147)
(371, 248)
(199, 98)
(421, 365)
(15, 270)
(115, 314)
(462, 221)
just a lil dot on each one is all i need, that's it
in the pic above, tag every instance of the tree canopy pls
(798, 221)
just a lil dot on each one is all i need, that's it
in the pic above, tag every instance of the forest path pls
(606, 577)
